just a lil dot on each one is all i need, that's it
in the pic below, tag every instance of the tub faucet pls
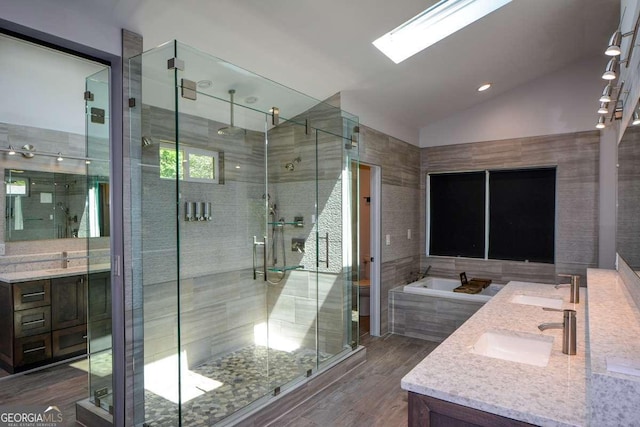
(575, 287)
(426, 271)
(568, 327)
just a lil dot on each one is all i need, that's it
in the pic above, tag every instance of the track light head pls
(600, 124)
(604, 108)
(614, 44)
(610, 71)
(606, 94)
(636, 118)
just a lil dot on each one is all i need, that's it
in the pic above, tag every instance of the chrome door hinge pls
(88, 96)
(132, 102)
(175, 64)
(188, 89)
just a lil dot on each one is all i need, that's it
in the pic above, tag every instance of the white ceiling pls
(321, 47)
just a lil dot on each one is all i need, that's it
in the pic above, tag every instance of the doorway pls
(369, 244)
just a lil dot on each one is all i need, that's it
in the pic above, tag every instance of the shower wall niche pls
(230, 314)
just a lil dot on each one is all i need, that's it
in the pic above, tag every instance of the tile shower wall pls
(220, 303)
(576, 156)
(400, 166)
(306, 299)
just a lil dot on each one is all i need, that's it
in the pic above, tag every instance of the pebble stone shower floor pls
(247, 375)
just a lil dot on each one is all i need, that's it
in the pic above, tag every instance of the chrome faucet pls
(575, 287)
(568, 327)
(426, 271)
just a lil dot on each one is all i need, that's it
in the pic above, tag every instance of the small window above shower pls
(197, 165)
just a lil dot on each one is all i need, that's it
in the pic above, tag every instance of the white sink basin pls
(522, 348)
(538, 301)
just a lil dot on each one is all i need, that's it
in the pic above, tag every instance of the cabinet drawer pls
(69, 341)
(33, 349)
(32, 322)
(31, 294)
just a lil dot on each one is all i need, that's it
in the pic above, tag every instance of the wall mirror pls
(628, 221)
(48, 205)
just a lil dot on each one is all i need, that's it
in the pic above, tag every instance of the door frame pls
(375, 247)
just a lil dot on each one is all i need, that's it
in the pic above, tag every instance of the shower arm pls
(231, 92)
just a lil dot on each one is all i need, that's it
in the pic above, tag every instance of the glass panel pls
(292, 290)
(223, 330)
(94, 221)
(250, 310)
(154, 222)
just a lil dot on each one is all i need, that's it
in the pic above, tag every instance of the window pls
(499, 214)
(17, 187)
(197, 165)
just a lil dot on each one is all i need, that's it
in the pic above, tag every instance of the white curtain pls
(18, 219)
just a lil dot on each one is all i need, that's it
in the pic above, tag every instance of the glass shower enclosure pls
(242, 237)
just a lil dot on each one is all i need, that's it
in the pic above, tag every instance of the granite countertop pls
(554, 395)
(24, 276)
(614, 328)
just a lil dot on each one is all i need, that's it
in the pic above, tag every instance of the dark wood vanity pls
(45, 320)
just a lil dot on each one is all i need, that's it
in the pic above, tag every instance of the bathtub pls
(443, 288)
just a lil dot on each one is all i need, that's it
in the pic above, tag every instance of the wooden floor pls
(371, 394)
(61, 386)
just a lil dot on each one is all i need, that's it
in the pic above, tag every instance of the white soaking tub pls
(443, 288)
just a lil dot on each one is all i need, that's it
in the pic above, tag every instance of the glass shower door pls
(222, 225)
(94, 225)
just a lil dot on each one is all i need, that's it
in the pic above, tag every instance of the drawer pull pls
(84, 337)
(33, 322)
(33, 294)
(35, 349)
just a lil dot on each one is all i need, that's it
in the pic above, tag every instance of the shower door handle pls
(326, 239)
(256, 243)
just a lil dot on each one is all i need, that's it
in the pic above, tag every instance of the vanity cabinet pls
(426, 411)
(42, 321)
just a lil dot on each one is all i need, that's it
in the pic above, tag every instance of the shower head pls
(291, 166)
(231, 130)
(146, 141)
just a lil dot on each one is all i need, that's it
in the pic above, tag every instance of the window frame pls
(187, 151)
(487, 209)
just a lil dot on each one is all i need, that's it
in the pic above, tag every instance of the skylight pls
(432, 25)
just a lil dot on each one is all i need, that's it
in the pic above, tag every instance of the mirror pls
(628, 221)
(47, 205)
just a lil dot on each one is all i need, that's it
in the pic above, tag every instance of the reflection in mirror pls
(46, 205)
(628, 221)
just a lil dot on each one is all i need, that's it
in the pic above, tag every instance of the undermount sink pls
(537, 301)
(522, 348)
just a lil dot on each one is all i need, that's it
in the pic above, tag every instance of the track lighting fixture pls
(636, 118)
(60, 158)
(614, 44)
(604, 108)
(606, 94)
(600, 124)
(610, 71)
(12, 150)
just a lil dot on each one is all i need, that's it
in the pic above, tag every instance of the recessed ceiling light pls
(432, 25)
(204, 84)
(484, 87)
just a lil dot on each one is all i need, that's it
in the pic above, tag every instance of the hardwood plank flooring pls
(61, 386)
(371, 394)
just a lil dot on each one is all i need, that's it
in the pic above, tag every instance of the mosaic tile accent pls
(247, 375)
